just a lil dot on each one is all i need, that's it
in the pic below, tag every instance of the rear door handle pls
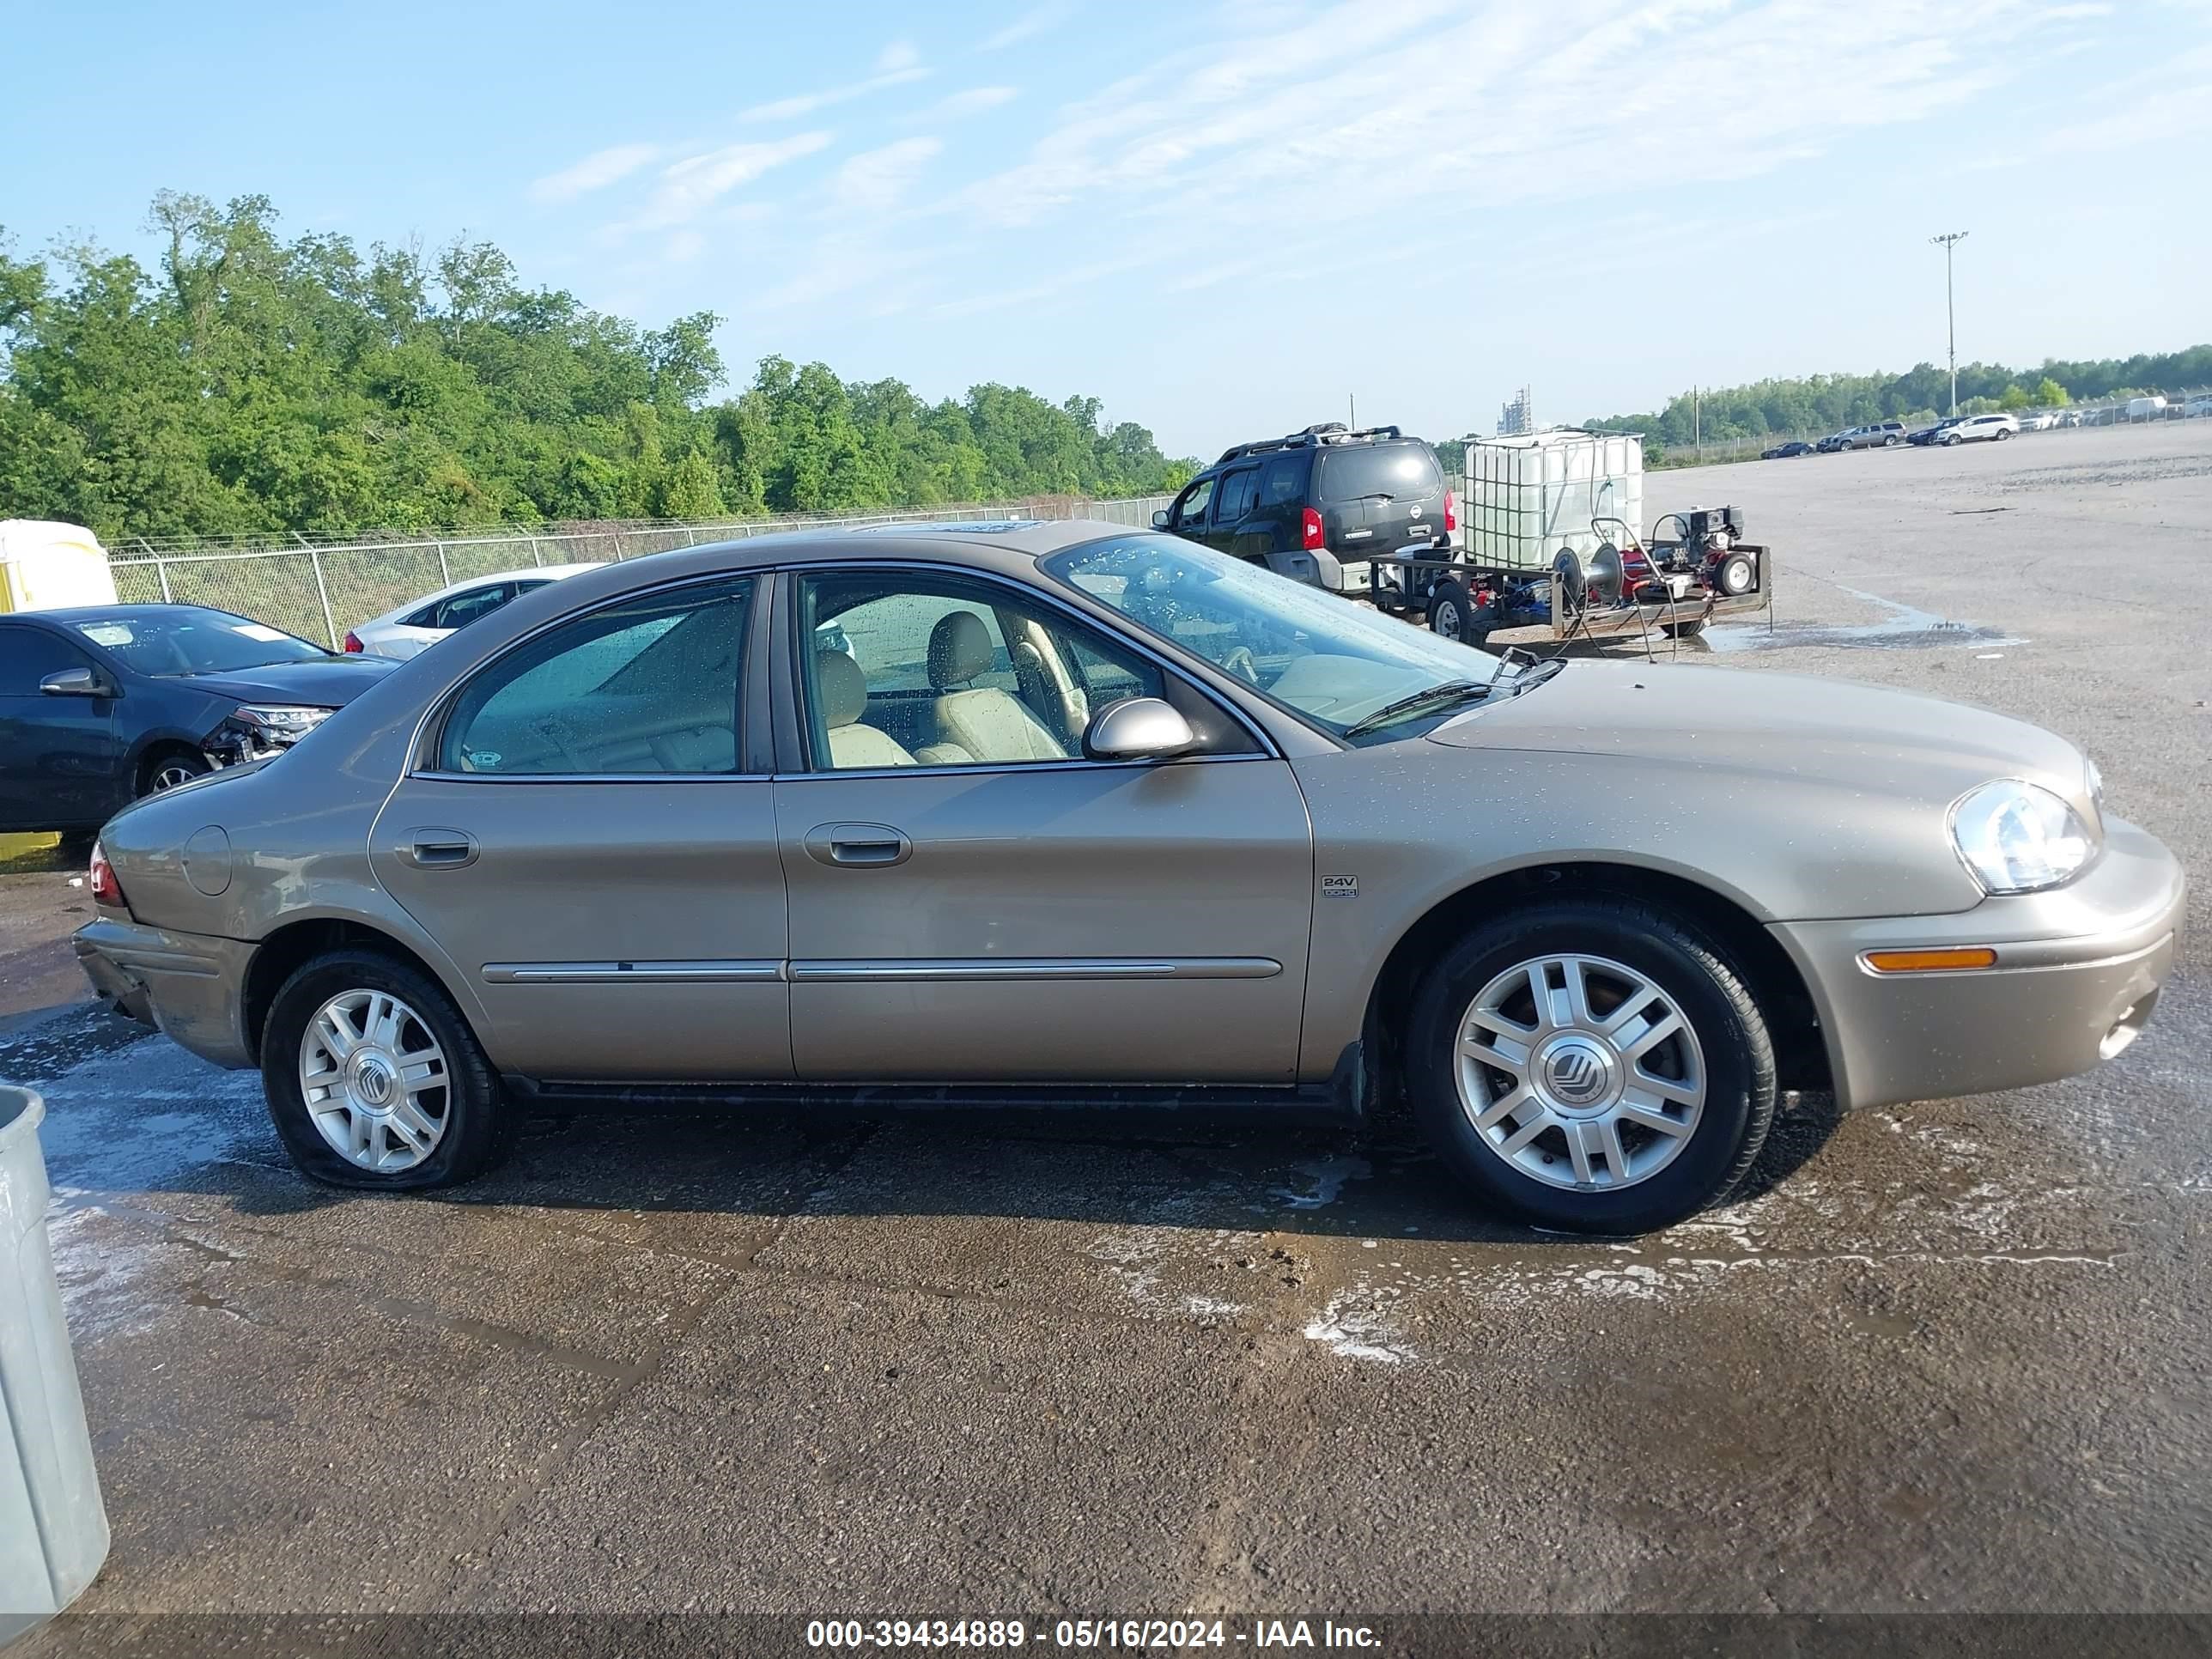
(439, 849)
(857, 846)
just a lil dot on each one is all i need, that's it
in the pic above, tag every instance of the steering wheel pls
(1240, 661)
(556, 730)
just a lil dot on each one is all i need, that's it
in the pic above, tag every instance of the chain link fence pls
(320, 590)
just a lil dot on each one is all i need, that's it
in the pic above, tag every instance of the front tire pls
(375, 1082)
(1636, 1093)
(165, 771)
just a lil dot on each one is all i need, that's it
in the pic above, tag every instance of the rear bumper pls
(188, 984)
(2077, 977)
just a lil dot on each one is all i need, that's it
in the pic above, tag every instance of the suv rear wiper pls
(1449, 691)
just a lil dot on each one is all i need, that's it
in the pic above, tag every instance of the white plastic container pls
(45, 566)
(53, 1531)
(1529, 498)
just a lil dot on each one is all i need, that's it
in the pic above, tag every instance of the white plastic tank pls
(44, 565)
(1528, 497)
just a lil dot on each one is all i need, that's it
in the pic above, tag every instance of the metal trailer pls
(1462, 601)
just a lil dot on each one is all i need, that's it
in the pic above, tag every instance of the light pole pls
(1951, 239)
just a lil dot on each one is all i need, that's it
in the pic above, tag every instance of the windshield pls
(188, 640)
(1336, 664)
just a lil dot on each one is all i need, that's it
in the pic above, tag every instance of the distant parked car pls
(2197, 406)
(1880, 436)
(2041, 420)
(1930, 435)
(102, 704)
(1975, 429)
(421, 624)
(1784, 451)
(2071, 417)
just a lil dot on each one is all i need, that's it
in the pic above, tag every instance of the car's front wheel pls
(375, 1081)
(1592, 1065)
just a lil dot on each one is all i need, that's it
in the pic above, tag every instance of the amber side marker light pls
(1930, 961)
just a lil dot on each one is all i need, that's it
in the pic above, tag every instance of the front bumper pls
(190, 985)
(2077, 975)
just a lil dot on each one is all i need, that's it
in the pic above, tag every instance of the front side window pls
(647, 686)
(1350, 671)
(912, 668)
(28, 655)
(1191, 509)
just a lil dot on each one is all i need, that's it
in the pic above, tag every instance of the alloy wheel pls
(1580, 1071)
(375, 1081)
(170, 773)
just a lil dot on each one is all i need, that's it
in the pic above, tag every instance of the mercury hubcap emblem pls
(372, 1081)
(1577, 1075)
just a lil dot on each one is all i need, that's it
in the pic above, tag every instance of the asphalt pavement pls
(1948, 1356)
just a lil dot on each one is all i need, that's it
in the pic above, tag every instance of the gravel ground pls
(1948, 1356)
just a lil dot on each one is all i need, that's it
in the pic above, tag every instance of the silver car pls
(1072, 810)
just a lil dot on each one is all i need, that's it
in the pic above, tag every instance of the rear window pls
(1405, 471)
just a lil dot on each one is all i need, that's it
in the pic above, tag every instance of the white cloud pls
(974, 101)
(1031, 24)
(875, 180)
(689, 187)
(600, 168)
(896, 65)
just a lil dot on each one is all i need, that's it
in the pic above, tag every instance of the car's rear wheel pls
(1593, 1065)
(2002, 433)
(374, 1080)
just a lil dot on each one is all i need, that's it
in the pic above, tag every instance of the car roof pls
(84, 613)
(547, 572)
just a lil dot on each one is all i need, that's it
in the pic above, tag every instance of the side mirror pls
(1160, 518)
(73, 682)
(1138, 728)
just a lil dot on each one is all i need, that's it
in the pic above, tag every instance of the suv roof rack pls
(1327, 432)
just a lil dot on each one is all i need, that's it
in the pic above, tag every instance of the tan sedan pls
(1044, 811)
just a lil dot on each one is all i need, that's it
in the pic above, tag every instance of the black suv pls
(1301, 505)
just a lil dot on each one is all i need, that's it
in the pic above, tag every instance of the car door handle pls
(856, 846)
(439, 849)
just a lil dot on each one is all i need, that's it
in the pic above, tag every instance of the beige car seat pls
(842, 690)
(978, 723)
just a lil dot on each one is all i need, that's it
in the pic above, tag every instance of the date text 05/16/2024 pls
(1125, 1634)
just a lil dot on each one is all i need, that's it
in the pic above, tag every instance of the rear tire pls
(466, 1120)
(1463, 1081)
(1683, 631)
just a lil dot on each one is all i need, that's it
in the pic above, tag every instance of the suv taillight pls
(353, 641)
(1451, 512)
(1310, 535)
(100, 877)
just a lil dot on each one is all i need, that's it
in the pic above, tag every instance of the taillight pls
(353, 641)
(106, 890)
(1310, 534)
(1451, 514)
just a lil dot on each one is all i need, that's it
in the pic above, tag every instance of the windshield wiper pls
(1447, 691)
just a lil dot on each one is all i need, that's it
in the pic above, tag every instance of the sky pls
(1224, 218)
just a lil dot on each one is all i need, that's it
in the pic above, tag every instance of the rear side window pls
(647, 686)
(1283, 480)
(463, 609)
(1403, 471)
(1239, 491)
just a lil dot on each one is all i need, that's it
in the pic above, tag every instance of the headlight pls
(2018, 837)
(280, 723)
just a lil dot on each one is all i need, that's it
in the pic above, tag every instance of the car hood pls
(1777, 728)
(328, 684)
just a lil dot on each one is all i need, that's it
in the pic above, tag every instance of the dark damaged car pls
(100, 705)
